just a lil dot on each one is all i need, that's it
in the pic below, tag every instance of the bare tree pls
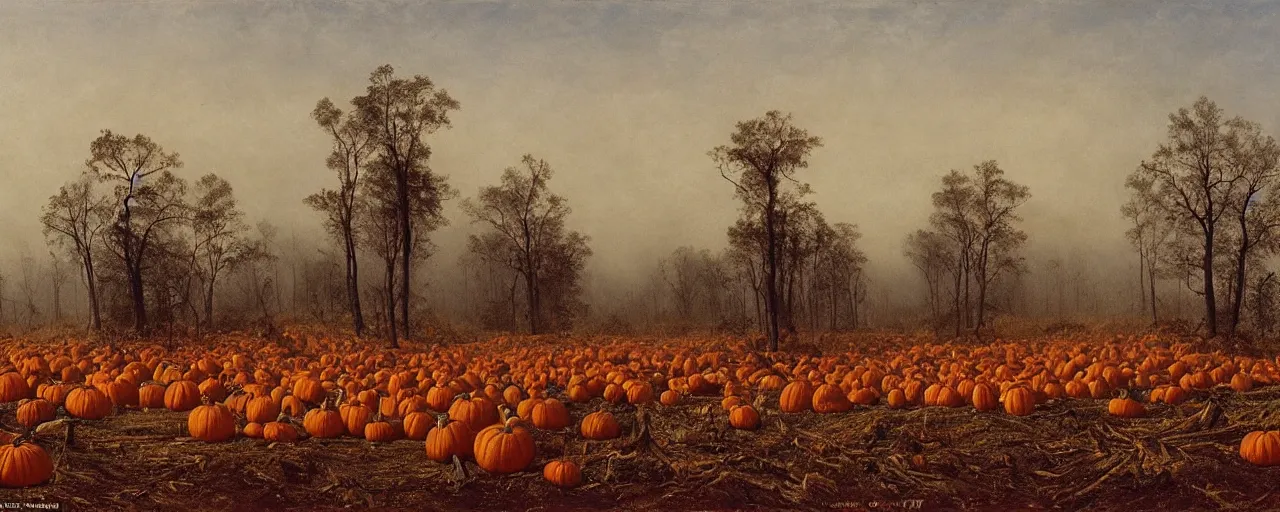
(57, 279)
(352, 147)
(680, 272)
(75, 219)
(220, 240)
(527, 233)
(953, 218)
(148, 197)
(997, 241)
(766, 151)
(1152, 228)
(1191, 174)
(398, 113)
(931, 253)
(30, 312)
(1253, 159)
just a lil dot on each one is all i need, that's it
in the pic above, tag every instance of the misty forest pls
(134, 244)
(638, 256)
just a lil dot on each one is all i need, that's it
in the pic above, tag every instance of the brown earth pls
(1068, 455)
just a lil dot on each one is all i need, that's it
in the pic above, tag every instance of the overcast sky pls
(625, 99)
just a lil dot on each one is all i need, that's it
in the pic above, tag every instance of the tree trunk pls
(959, 273)
(353, 282)
(139, 301)
(95, 314)
(982, 288)
(1210, 302)
(390, 279)
(406, 245)
(208, 302)
(771, 286)
(1151, 283)
(1142, 274)
(531, 293)
(1238, 292)
(968, 301)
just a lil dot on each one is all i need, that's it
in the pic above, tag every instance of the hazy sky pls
(625, 99)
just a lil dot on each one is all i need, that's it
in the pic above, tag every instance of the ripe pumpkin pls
(151, 396)
(550, 414)
(1261, 448)
(897, 399)
(476, 411)
(983, 398)
(380, 430)
(1241, 383)
(796, 397)
(123, 393)
(1019, 401)
(669, 397)
(34, 412)
(309, 390)
(562, 473)
(640, 393)
(449, 438)
(355, 418)
(417, 425)
(211, 423)
(1174, 395)
(744, 417)
(504, 449)
(512, 395)
(56, 394)
(280, 431)
(864, 396)
(261, 410)
(87, 403)
(829, 399)
(13, 387)
(252, 430)
(1126, 408)
(439, 397)
(600, 426)
(613, 393)
(24, 464)
(181, 396)
(323, 422)
(949, 397)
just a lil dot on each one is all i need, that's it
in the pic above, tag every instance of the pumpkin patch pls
(509, 406)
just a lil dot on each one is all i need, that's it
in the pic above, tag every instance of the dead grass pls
(1069, 455)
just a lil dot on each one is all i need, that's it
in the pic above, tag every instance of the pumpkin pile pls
(479, 402)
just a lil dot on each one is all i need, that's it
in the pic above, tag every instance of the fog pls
(624, 100)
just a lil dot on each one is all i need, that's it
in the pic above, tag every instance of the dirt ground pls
(1068, 455)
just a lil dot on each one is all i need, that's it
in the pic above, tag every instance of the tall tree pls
(1194, 174)
(997, 239)
(953, 218)
(764, 153)
(398, 113)
(1152, 228)
(352, 147)
(57, 279)
(220, 236)
(528, 234)
(1253, 160)
(931, 253)
(148, 197)
(378, 228)
(75, 219)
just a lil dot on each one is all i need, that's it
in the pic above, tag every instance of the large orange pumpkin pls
(503, 449)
